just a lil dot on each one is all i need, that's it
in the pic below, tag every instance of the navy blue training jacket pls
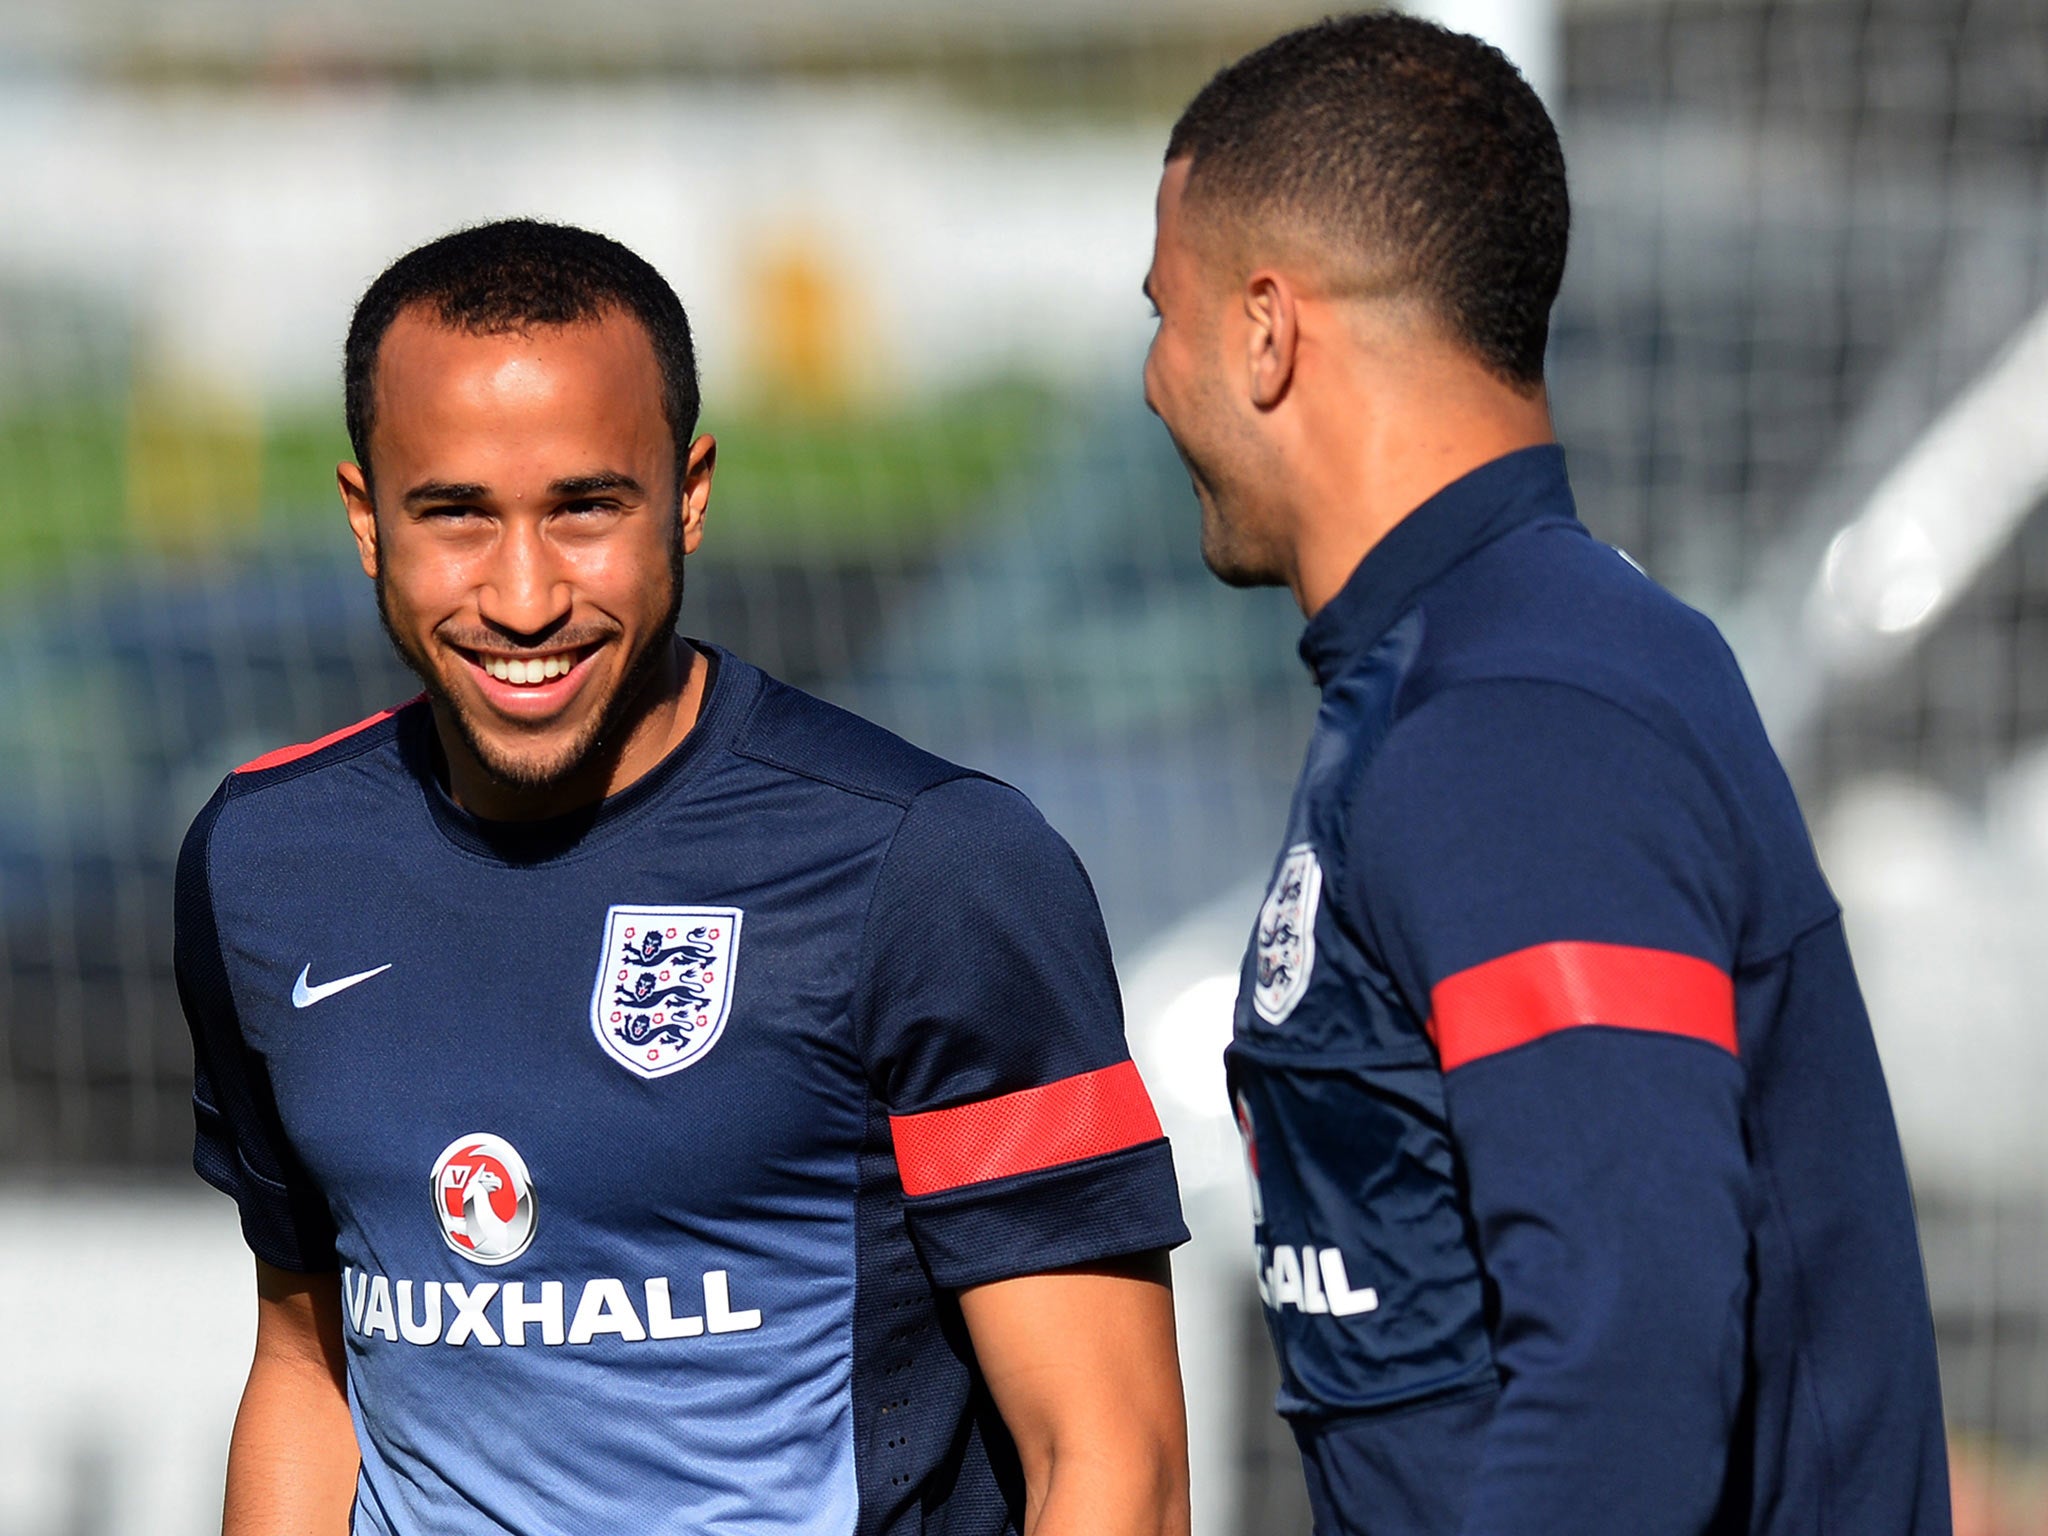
(1580, 1207)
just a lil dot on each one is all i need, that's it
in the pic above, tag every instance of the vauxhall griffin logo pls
(664, 984)
(484, 1197)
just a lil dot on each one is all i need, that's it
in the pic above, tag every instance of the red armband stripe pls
(1077, 1117)
(1536, 992)
(283, 755)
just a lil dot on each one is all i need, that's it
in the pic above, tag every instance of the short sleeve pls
(993, 1036)
(239, 1146)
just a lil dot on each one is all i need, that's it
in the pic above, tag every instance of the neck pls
(666, 703)
(1366, 470)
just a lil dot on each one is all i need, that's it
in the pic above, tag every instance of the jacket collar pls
(1471, 511)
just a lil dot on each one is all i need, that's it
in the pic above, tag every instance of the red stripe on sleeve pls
(1539, 991)
(1063, 1122)
(283, 755)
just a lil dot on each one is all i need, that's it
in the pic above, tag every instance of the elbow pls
(1163, 1490)
(1109, 1484)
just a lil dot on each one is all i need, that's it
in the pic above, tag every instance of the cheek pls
(434, 573)
(624, 572)
(428, 579)
(1162, 370)
(407, 583)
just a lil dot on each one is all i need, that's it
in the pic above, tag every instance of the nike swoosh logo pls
(304, 996)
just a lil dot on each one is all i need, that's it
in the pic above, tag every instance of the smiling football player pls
(657, 1101)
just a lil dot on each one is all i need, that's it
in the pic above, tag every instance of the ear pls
(362, 513)
(696, 497)
(1270, 304)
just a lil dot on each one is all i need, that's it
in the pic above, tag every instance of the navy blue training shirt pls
(1580, 1208)
(650, 1142)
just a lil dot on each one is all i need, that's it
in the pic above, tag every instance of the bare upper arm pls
(1082, 1362)
(298, 1322)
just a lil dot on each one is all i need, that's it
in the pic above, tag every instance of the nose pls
(525, 594)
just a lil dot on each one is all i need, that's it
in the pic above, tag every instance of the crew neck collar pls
(728, 691)
(1471, 511)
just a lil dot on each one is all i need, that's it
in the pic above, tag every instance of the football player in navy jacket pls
(1580, 1210)
(658, 1102)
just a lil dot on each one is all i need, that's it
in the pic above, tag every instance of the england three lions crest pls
(664, 984)
(1285, 945)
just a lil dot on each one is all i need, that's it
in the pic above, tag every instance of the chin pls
(1233, 574)
(528, 765)
(530, 772)
(1229, 561)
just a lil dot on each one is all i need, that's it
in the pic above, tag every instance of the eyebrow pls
(442, 492)
(590, 485)
(445, 491)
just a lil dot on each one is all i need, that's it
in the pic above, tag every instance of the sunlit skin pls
(526, 511)
(1314, 405)
(1186, 384)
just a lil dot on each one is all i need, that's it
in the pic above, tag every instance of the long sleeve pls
(1555, 887)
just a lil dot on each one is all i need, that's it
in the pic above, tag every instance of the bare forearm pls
(1082, 1365)
(292, 1461)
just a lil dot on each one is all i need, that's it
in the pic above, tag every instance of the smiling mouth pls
(529, 671)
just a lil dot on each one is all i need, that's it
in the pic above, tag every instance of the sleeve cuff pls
(1106, 1207)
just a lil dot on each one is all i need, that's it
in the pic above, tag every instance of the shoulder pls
(986, 833)
(1549, 603)
(1553, 674)
(292, 771)
(305, 762)
(350, 741)
(802, 735)
(1524, 744)
(954, 820)
(1572, 627)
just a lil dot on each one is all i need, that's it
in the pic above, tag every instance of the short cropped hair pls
(507, 276)
(1408, 150)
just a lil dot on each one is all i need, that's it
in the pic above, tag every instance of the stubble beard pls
(1231, 556)
(610, 724)
(1223, 552)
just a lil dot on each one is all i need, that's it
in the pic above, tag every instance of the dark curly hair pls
(1418, 154)
(512, 274)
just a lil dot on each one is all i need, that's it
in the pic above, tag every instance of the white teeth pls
(527, 673)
